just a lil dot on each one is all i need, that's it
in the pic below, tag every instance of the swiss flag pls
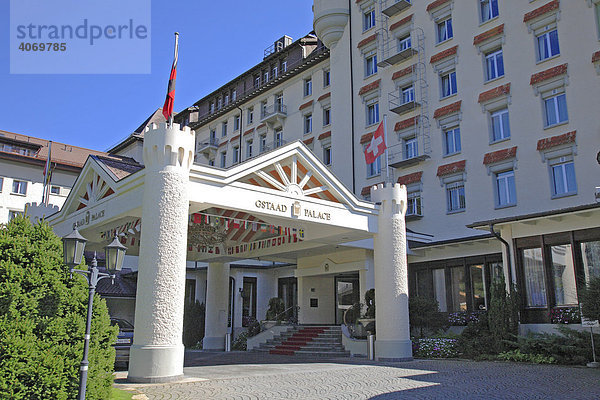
(377, 146)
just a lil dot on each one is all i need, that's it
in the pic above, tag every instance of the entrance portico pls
(283, 206)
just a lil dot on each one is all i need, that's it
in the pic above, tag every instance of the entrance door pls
(287, 290)
(347, 293)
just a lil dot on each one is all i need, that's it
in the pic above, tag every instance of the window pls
(590, 252)
(408, 94)
(404, 43)
(236, 154)
(250, 115)
(307, 87)
(226, 99)
(547, 45)
(494, 65)
(223, 159)
(563, 275)
(279, 102)
(369, 19)
(233, 95)
(562, 173)
(278, 137)
(275, 72)
(263, 143)
(410, 148)
(488, 9)
(55, 190)
(500, 125)
(327, 155)
(326, 116)
(19, 187)
(372, 113)
(533, 271)
(266, 77)
(263, 108)
(374, 169)
(12, 214)
(213, 136)
(455, 197)
(458, 289)
(555, 109)
(1, 184)
(452, 141)
(219, 103)
(224, 129)
(257, 82)
(236, 122)
(326, 78)
(448, 84)
(413, 204)
(444, 30)
(597, 15)
(248, 149)
(283, 66)
(248, 301)
(370, 64)
(307, 123)
(211, 162)
(505, 189)
(212, 107)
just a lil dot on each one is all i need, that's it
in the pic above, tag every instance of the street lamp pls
(73, 246)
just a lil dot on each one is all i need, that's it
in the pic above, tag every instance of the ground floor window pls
(248, 301)
(553, 269)
(458, 285)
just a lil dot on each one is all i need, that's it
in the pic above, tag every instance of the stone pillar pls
(217, 306)
(391, 275)
(157, 350)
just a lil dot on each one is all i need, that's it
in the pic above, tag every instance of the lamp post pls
(73, 246)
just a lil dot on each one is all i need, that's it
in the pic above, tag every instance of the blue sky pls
(219, 40)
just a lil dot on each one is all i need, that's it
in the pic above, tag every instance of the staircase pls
(308, 341)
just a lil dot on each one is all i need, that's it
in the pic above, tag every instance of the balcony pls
(209, 146)
(399, 160)
(401, 103)
(393, 7)
(392, 56)
(274, 113)
(264, 147)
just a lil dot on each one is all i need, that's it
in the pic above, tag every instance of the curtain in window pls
(535, 286)
(563, 273)
(458, 289)
(590, 252)
(439, 288)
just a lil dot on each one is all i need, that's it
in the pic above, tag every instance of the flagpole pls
(45, 194)
(387, 166)
(175, 58)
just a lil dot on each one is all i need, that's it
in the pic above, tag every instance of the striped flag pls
(167, 110)
(47, 175)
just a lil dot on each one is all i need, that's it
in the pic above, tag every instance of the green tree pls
(503, 313)
(590, 299)
(425, 316)
(193, 323)
(42, 320)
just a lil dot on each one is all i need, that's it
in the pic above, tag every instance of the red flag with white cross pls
(377, 146)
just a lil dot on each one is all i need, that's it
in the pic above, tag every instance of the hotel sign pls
(87, 218)
(296, 209)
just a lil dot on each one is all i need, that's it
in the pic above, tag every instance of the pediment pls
(293, 170)
(92, 186)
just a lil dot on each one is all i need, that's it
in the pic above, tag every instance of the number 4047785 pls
(42, 46)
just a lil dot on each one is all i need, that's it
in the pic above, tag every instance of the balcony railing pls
(208, 145)
(272, 145)
(393, 7)
(401, 103)
(273, 112)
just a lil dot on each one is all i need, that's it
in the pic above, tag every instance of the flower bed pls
(565, 315)
(435, 348)
(464, 317)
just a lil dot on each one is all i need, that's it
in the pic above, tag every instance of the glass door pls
(287, 290)
(347, 293)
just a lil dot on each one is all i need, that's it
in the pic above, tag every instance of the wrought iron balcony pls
(208, 145)
(393, 7)
(273, 113)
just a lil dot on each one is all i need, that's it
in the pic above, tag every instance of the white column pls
(217, 304)
(391, 275)
(157, 350)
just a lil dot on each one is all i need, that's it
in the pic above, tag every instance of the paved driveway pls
(259, 376)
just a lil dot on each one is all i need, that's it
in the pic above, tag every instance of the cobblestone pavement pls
(259, 376)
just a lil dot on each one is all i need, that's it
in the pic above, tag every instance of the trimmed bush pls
(42, 320)
(425, 317)
(193, 323)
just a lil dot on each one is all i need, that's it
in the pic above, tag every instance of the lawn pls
(118, 394)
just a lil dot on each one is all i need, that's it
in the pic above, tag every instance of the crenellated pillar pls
(391, 275)
(157, 350)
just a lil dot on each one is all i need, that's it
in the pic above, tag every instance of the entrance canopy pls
(278, 206)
